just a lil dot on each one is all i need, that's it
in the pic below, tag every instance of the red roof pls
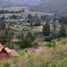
(1, 47)
(10, 52)
(14, 53)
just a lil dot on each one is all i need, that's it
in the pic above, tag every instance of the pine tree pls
(46, 29)
(30, 19)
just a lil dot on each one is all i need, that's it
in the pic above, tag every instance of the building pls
(6, 52)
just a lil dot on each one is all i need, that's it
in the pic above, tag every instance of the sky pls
(28, 2)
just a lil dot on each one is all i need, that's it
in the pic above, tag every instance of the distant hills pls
(52, 6)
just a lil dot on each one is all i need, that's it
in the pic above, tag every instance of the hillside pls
(52, 6)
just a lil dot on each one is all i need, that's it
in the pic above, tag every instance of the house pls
(6, 52)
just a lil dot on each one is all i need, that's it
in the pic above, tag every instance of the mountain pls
(49, 6)
(18, 3)
(52, 6)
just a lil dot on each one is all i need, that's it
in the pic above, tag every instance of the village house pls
(6, 52)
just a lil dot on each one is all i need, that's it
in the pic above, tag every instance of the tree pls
(62, 31)
(2, 23)
(3, 39)
(63, 20)
(54, 24)
(43, 17)
(46, 29)
(26, 40)
(30, 19)
(14, 17)
(30, 36)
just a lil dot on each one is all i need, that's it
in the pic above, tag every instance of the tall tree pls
(30, 19)
(46, 29)
(26, 39)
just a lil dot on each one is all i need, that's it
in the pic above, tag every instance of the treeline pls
(7, 11)
(37, 20)
(53, 34)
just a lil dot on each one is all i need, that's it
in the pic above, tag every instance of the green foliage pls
(45, 63)
(35, 43)
(51, 44)
(6, 65)
(22, 51)
(3, 39)
(30, 36)
(63, 63)
(5, 36)
(30, 64)
(12, 45)
(26, 40)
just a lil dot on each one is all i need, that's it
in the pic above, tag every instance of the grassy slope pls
(42, 56)
(48, 54)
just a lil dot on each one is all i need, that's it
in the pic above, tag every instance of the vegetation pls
(41, 41)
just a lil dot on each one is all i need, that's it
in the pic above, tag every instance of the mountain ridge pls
(52, 6)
